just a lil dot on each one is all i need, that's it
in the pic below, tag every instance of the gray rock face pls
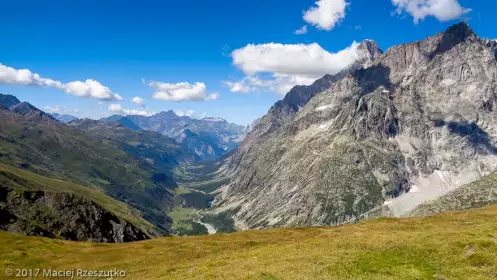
(413, 124)
(62, 215)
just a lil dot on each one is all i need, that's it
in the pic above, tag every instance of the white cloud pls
(240, 86)
(300, 31)
(139, 101)
(188, 113)
(299, 59)
(89, 89)
(59, 110)
(117, 109)
(280, 84)
(181, 91)
(443, 10)
(288, 65)
(327, 14)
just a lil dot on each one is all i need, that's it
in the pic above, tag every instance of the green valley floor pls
(458, 245)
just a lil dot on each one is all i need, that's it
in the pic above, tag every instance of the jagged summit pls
(167, 114)
(454, 35)
(8, 100)
(460, 30)
(369, 50)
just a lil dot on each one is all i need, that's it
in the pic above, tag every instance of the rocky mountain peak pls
(369, 49)
(461, 30)
(28, 110)
(167, 114)
(455, 35)
(8, 100)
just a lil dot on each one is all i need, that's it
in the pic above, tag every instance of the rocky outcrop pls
(413, 124)
(62, 215)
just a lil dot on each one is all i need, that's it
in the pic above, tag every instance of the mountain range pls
(129, 165)
(397, 129)
(209, 138)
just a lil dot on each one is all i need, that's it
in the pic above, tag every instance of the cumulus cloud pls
(288, 65)
(326, 14)
(139, 101)
(280, 84)
(301, 31)
(443, 10)
(117, 109)
(298, 59)
(181, 91)
(239, 86)
(89, 88)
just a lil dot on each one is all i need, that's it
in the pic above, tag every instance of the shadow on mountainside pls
(371, 78)
(471, 131)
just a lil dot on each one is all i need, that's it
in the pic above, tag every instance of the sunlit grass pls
(449, 246)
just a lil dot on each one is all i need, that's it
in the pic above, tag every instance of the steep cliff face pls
(413, 124)
(62, 215)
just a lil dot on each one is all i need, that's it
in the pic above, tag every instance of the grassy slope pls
(22, 179)
(67, 153)
(448, 246)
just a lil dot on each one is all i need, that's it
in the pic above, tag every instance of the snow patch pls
(312, 130)
(414, 189)
(324, 107)
(447, 82)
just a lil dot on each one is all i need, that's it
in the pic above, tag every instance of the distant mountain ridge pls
(64, 118)
(161, 151)
(208, 137)
(23, 108)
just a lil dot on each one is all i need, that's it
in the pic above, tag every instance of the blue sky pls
(138, 48)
